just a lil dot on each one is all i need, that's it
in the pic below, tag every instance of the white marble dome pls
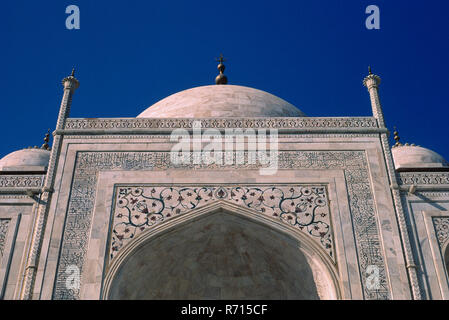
(26, 159)
(408, 157)
(221, 101)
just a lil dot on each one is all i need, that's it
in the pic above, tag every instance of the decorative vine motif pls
(409, 178)
(441, 225)
(160, 123)
(19, 181)
(139, 208)
(14, 196)
(4, 223)
(84, 185)
(164, 136)
(432, 194)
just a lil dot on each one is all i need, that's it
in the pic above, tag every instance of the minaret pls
(372, 82)
(70, 84)
(42, 206)
(221, 78)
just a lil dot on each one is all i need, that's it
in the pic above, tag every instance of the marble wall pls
(359, 229)
(427, 208)
(351, 166)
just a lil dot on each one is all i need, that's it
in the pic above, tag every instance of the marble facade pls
(110, 199)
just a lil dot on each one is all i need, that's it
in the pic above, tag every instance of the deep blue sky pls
(314, 54)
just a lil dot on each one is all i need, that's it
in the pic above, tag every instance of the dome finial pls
(45, 146)
(221, 78)
(396, 138)
(369, 70)
(73, 72)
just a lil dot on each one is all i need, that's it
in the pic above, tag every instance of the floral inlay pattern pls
(441, 225)
(139, 208)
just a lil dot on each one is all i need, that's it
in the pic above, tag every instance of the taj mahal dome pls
(106, 212)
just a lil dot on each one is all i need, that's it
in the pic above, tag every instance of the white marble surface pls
(219, 101)
(29, 159)
(410, 157)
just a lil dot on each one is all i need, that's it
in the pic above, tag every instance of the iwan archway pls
(221, 252)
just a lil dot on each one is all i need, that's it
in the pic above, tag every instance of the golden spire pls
(45, 146)
(398, 143)
(369, 70)
(221, 78)
(396, 138)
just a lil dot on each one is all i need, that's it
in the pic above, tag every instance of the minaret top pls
(221, 78)
(70, 82)
(371, 80)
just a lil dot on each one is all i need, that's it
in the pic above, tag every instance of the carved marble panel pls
(354, 164)
(138, 208)
(441, 225)
(21, 181)
(166, 137)
(279, 123)
(423, 178)
(4, 224)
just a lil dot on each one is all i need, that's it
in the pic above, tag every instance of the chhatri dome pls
(409, 157)
(31, 159)
(221, 101)
(22, 160)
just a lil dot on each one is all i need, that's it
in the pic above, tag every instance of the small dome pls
(221, 101)
(25, 160)
(407, 157)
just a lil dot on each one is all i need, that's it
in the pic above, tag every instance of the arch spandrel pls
(138, 208)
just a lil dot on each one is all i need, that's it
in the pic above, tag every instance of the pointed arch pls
(322, 269)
